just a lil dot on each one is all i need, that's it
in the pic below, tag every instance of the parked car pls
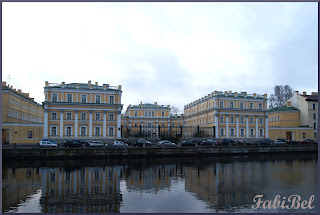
(265, 142)
(292, 142)
(307, 141)
(97, 144)
(166, 143)
(208, 142)
(225, 142)
(242, 142)
(118, 143)
(282, 139)
(47, 143)
(279, 142)
(73, 144)
(141, 142)
(189, 143)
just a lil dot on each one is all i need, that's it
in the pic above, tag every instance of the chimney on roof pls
(46, 83)
(288, 104)
(119, 87)
(104, 86)
(96, 83)
(4, 84)
(32, 99)
(26, 95)
(304, 93)
(62, 84)
(314, 93)
(89, 82)
(19, 91)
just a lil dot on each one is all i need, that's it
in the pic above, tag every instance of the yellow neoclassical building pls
(150, 120)
(82, 111)
(22, 117)
(229, 115)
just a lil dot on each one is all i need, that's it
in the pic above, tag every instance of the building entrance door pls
(289, 135)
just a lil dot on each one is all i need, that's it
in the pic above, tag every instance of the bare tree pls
(174, 110)
(281, 95)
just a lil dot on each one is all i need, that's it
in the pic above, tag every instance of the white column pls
(90, 122)
(227, 125)
(216, 124)
(266, 134)
(61, 123)
(247, 125)
(237, 126)
(104, 124)
(257, 132)
(76, 99)
(118, 124)
(76, 124)
(45, 128)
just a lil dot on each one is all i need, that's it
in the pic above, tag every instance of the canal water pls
(159, 185)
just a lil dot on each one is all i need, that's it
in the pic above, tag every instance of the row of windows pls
(83, 115)
(209, 120)
(274, 118)
(152, 125)
(14, 102)
(149, 113)
(54, 98)
(222, 105)
(25, 117)
(242, 134)
(83, 131)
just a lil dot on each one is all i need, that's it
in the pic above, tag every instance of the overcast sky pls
(172, 53)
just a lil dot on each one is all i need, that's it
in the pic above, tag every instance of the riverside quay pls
(92, 112)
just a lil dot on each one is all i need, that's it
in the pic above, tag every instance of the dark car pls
(225, 142)
(282, 139)
(242, 142)
(208, 143)
(307, 141)
(141, 142)
(265, 142)
(74, 143)
(292, 142)
(189, 143)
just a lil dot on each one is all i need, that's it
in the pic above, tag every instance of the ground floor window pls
(83, 131)
(97, 131)
(29, 134)
(232, 132)
(241, 132)
(69, 129)
(111, 132)
(222, 132)
(53, 131)
(303, 135)
(251, 132)
(260, 132)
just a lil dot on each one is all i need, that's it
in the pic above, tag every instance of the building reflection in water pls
(89, 189)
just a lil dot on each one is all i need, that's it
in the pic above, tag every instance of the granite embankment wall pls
(70, 153)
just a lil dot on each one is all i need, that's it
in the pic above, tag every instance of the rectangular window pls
(221, 118)
(54, 115)
(222, 132)
(97, 131)
(69, 131)
(135, 125)
(54, 97)
(313, 106)
(84, 98)
(232, 132)
(69, 97)
(241, 119)
(278, 118)
(136, 113)
(98, 98)
(303, 135)
(152, 113)
(98, 116)
(241, 105)
(251, 119)
(251, 132)
(260, 106)
(111, 116)
(250, 105)
(172, 125)
(314, 116)
(162, 125)
(314, 125)
(111, 99)
(83, 131)
(260, 132)
(231, 105)
(232, 119)
(111, 131)
(83, 116)
(162, 114)
(29, 134)
(241, 132)
(221, 104)
(209, 105)
(261, 120)
(69, 115)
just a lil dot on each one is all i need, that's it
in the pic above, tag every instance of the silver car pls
(96, 144)
(47, 143)
(166, 143)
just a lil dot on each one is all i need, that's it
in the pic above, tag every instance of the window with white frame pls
(69, 130)
(111, 116)
(98, 116)
(54, 97)
(135, 113)
(260, 106)
(314, 116)
(69, 97)
(111, 99)
(145, 113)
(260, 132)
(313, 106)
(212, 104)
(162, 114)
(241, 132)
(97, 131)
(221, 104)
(162, 125)
(231, 105)
(83, 116)
(84, 98)
(53, 131)
(152, 113)
(111, 131)
(250, 105)
(83, 131)
(260, 120)
(221, 118)
(53, 115)
(98, 99)
(209, 119)
(209, 105)
(241, 119)
(251, 132)
(69, 115)
(221, 131)
(278, 118)
(251, 119)
(231, 119)
(232, 132)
